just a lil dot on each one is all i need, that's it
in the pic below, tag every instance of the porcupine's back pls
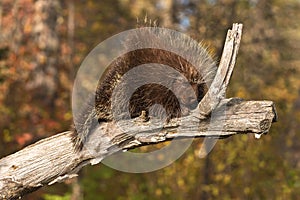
(156, 77)
(155, 80)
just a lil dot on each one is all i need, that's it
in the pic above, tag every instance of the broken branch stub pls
(217, 89)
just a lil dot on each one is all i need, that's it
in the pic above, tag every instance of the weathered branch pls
(219, 85)
(53, 159)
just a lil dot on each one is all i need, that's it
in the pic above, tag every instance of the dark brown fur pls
(149, 94)
(131, 100)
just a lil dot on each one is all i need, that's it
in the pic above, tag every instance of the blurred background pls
(43, 42)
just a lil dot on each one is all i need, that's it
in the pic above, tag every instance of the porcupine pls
(198, 76)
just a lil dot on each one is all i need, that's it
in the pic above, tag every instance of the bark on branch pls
(220, 83)
(54, 159)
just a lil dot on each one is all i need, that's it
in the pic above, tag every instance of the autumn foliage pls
(42, 43)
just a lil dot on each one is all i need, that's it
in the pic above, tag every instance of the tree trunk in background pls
(0, 16)
(15, 32)
(71, 29)
(76, 190)
(76, 187)
(206, 179)
(44, 75)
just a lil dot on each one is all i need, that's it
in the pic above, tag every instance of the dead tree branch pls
(219, 85)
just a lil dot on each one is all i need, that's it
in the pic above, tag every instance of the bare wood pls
(237, 35)
(53, 159)
(232, 116)
(219, 85)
